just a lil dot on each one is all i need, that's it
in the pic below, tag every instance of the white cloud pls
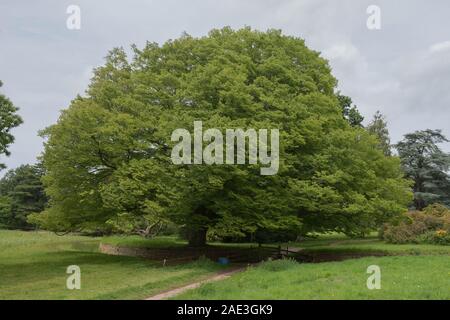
(345, 52)
(441, 46)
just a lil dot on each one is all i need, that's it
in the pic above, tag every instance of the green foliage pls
(109, 154)
(431, 225)
(146, 226)
(21, 194)
(425, 163)
(440, 237)
(350, 112)
(8, 120)
(378, 127)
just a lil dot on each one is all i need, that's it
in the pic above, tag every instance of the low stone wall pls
(186, 254)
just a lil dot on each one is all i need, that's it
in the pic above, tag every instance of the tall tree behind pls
(8, 120)
(425, 163)
(378, 127)
(350, 112)
(21, 193)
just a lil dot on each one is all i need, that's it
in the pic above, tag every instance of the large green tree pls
(8, 120)
(427, 165)
(109, 154)
(21, 193)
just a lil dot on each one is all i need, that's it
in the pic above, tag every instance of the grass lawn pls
(402, 277)
(33, 266)
(408, 271)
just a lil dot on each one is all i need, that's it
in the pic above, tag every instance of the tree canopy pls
(108, 156)
(427, 165)
(21, 193)
(8, 120)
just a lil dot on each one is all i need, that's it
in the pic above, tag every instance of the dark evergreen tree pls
(427, 165)
(350, 112)
(21, 193)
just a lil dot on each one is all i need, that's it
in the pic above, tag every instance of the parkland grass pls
(33, 266)
(402, 277)
(408, 271)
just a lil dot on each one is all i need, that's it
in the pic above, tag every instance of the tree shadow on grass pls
(54, 264)
(49, 265)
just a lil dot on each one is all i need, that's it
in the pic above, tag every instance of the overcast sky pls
(403, 69)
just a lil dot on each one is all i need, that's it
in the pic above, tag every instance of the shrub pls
(441, 237)
(432, 225)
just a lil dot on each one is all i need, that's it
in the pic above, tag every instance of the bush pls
(432, 225)
(441, 237)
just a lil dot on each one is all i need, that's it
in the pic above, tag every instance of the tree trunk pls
(419, 204)
(197, 237)
(198, 226)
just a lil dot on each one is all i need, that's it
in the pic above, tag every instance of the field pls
(33, 266)
(408, 271)
(402, 277)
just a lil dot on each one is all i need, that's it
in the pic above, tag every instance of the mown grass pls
(410, 271)
(402, 277)
(33, 266)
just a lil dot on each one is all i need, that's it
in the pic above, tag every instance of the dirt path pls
(171, 293)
